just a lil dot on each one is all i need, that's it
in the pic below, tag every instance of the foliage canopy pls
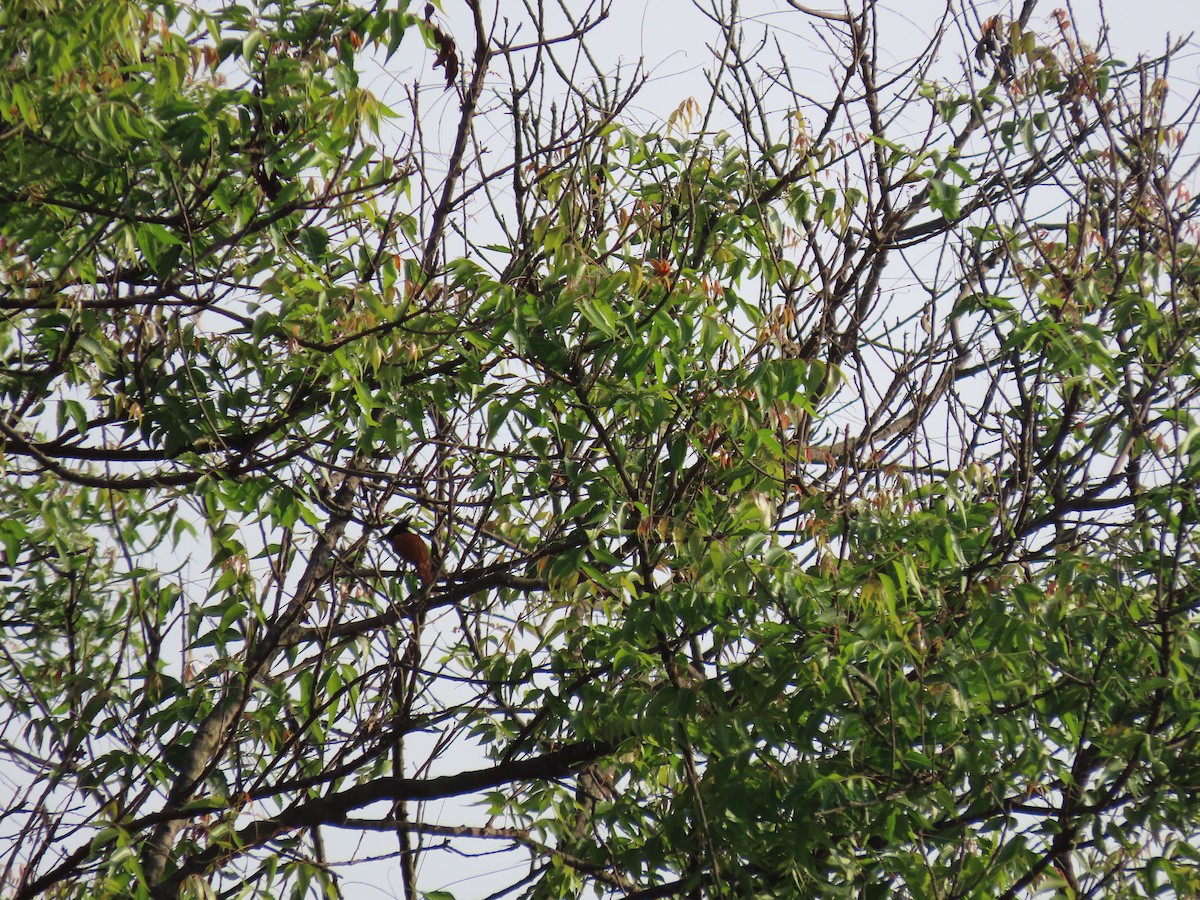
(815, 478)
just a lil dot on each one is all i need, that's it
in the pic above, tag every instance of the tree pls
(813, 480)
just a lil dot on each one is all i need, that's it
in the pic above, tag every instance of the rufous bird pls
(413, 549)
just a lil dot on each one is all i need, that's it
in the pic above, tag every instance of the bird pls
(413, 549)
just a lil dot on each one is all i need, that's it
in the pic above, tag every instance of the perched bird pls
(413, 549)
